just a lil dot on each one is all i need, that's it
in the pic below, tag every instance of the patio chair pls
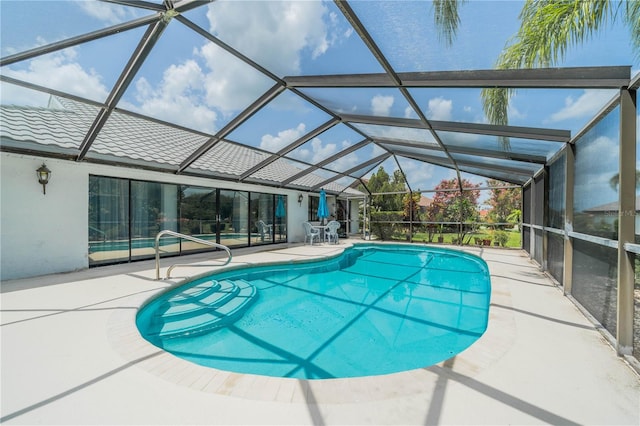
(264, 230)
(310, 232)
(331, 232)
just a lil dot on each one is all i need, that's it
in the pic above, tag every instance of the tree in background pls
(453, 206)
(411, 206)
(386, 210)
(380, 181)
(447, 196)
(505, 202)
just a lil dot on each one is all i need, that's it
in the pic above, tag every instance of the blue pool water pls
(376, 309)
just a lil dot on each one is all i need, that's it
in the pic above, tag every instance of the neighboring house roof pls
(63, 125)
(425, 201)
(610, 207)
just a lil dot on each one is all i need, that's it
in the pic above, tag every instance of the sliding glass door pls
(108, 220)
(234, 218)
(198, 210)
(125, 216)
(154, 208)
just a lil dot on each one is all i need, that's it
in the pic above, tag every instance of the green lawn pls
(515, 239)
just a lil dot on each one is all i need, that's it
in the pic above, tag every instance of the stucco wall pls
(44, 234)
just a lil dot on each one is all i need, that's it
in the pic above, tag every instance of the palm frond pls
(495, 102)
(632, 18)
(447, 19)
(549, 28)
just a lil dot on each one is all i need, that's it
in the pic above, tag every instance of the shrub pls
(501, 237)
(380, 225)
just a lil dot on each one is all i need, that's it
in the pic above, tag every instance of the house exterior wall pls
(43, 234)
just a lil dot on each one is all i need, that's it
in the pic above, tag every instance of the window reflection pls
(596, 178)
(595, 270)
(262, 218)
(125, 216)
(197, 216)
(234, 218)
(108, 220)
(154, 208)
(555, 256)
(557, 175)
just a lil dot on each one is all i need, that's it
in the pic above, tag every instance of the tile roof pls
(65, 123)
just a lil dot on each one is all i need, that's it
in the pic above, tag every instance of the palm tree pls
(614, 182)
(549, 28)
(446, 18)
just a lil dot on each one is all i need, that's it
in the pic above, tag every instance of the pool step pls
(218, 294)
(195, 292)
(201, 315)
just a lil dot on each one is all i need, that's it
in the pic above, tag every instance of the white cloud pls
(381, 105)
(586, 105)
(275, 143)
(405, 133)
(230, 84)
(410, 113)
(106, 12)
(513, 112)
(440, 109)
(377, 150)
(418, 174)
(316, 151)
(464, 138)
(175, 99)
(596, 164)
(60, 71)
(345, 162)
(280, 31)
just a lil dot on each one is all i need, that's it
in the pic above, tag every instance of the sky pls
(191, 82)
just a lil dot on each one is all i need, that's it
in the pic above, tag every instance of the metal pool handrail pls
(190, 238)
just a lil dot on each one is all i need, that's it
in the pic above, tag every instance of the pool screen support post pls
(626, 222)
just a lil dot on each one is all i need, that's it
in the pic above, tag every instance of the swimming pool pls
(375, 309)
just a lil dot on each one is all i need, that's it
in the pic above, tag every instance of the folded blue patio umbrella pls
(323, 209)
(280, 211)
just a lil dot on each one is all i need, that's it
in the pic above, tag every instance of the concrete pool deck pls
(71, 354)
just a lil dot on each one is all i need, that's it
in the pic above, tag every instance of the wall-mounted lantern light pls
(300, 198)
(43, 174)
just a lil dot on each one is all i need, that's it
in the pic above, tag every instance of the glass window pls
(108, 220)
(234, 218)
(125, 217)
(595, 270)
(154, 208)
(538, 246)
(314, 202)
(280, 226)
(636, 310)
(526, 218)
(262, 218)
(556, 197)
(555, 256)
(526, 239)
(341, 215)
(596, 178)
(197, 216)
(526, 204)
(538, 200)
